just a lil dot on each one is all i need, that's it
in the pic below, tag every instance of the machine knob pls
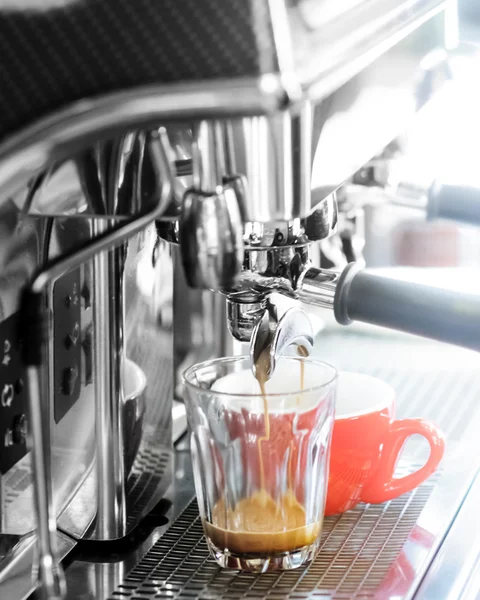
(86, 294)
(243, 312)
(72, 338)
(87, 346)
(70, 377)
(19, 429)
(211, 243)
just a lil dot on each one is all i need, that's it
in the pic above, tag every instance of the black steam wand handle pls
(430, 312)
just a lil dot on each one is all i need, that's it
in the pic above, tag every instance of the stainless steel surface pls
(16, 568)
(21, 246)
(178, 565)
(95, 573)
(365, 553)
(348, 36)
(74, 485)
(317, 286)
(275, 257)
(50, 576)
(141, 439)
(319, 225)
(78, 256)
(211, 233)
(179, 420)
(200, 326)
(454, 571)
(350, 74)
(75, 129)
(211, 218)
(274, 333)
(271, 269)
(278, 181)
(350, 131)
(85, 183)
(209, 156)
(243, 312)
(108, 324)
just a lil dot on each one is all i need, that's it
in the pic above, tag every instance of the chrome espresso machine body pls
(150, 154)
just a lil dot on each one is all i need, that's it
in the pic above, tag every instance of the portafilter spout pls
(274, 333)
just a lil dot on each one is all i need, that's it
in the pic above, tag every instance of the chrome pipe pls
(108, 320)
(50, 575)
(317, 287)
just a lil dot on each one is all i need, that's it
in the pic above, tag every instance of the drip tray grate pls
(151, 467)
(357, 551)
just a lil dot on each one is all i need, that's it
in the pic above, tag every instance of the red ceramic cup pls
(367, 442)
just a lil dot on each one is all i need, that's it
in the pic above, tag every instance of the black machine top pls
(55, 52)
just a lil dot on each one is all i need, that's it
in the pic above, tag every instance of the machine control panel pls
(13, 397)
(72, 358)
(67, 310)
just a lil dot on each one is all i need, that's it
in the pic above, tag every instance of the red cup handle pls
(384, 486)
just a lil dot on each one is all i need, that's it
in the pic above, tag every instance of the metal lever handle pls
(34, 332)
(434, 313)
(211, 225)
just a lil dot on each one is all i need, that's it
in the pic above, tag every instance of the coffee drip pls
(259, 524)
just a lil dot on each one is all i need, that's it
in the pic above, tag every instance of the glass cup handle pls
(384, 486)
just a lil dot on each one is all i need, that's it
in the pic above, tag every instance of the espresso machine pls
(171, 175)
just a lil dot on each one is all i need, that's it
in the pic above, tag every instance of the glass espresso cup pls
(261, 461)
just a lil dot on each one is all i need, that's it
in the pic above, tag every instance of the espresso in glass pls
(260, 453)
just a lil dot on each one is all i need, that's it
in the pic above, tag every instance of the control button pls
(7, 346)
(72, 298)
(86, 295)
(19, 429)
(87, 346)
(8, 439)
(19, 385)
(70, 377)
(72, 338)
(7, 394)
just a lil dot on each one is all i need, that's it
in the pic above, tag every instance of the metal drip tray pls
(356, 554)
(383, 551)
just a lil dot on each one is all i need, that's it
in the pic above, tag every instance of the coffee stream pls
(259, 523)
